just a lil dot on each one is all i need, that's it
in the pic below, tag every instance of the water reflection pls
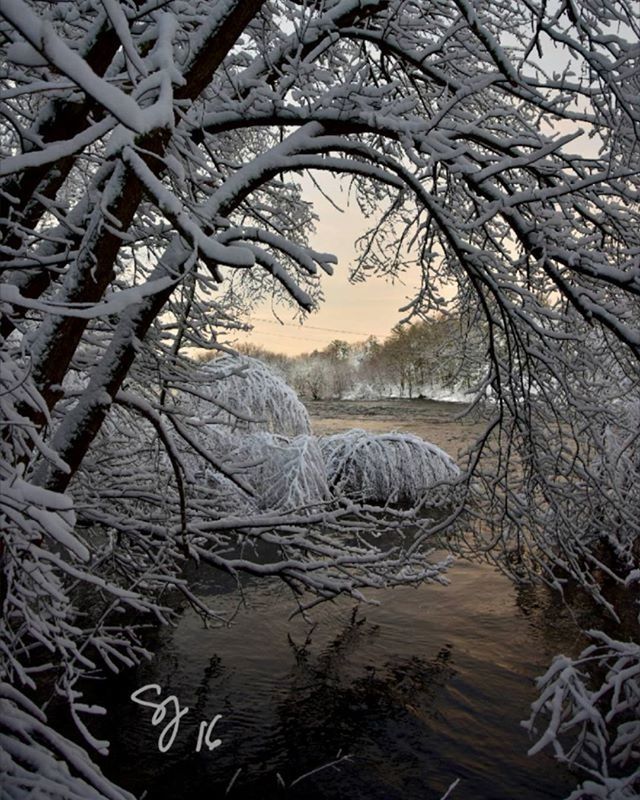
(428, 687)
(336, 704)
(560, 619)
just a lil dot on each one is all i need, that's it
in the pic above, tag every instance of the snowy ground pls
(434, 421)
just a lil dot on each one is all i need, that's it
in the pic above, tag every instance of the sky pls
(355, 311)
(351, 312)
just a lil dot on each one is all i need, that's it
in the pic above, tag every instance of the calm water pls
(428, 687)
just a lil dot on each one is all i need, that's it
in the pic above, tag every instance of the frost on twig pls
(151, 194)
(393, 467)
(285, 473)
(48, 567)
(591, 707)
(247, 395)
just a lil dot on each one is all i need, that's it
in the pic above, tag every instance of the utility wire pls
(316, 327)
(287, 336)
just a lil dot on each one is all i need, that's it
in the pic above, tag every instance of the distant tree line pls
(443, 355)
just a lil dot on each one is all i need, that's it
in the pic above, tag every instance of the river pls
(424, 689)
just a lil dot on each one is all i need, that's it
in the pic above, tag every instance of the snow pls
(591, 704)
(285, 473)
(257, 420)
(388, 468)
(251, 397)
(40, 33)
(170, 204)
(304, 257)
(441, 132)
(120, 23)
(114, 303)
(35, 761)
(56, 150)
(427, 391)
(244, 440)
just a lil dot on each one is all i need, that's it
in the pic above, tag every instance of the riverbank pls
(443, 424)
(427, 686)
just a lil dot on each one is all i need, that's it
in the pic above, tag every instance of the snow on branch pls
(41, 35)
(138, 138)
(287, 473)
(170, 205)
(250, 396)
(591, 705)
(55, 150)
(388, 468)
(33, 755)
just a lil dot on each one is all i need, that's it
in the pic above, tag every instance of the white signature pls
(170, 708)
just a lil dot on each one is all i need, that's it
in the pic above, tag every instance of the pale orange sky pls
(350, 311)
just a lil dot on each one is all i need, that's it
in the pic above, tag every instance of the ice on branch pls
(156, 186)
(250, 417)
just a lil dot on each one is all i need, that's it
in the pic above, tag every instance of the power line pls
(316, 327)
(286, 336)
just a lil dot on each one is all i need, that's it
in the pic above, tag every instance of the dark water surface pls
(428, 687)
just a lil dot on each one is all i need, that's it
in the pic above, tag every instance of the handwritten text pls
(170, 709)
